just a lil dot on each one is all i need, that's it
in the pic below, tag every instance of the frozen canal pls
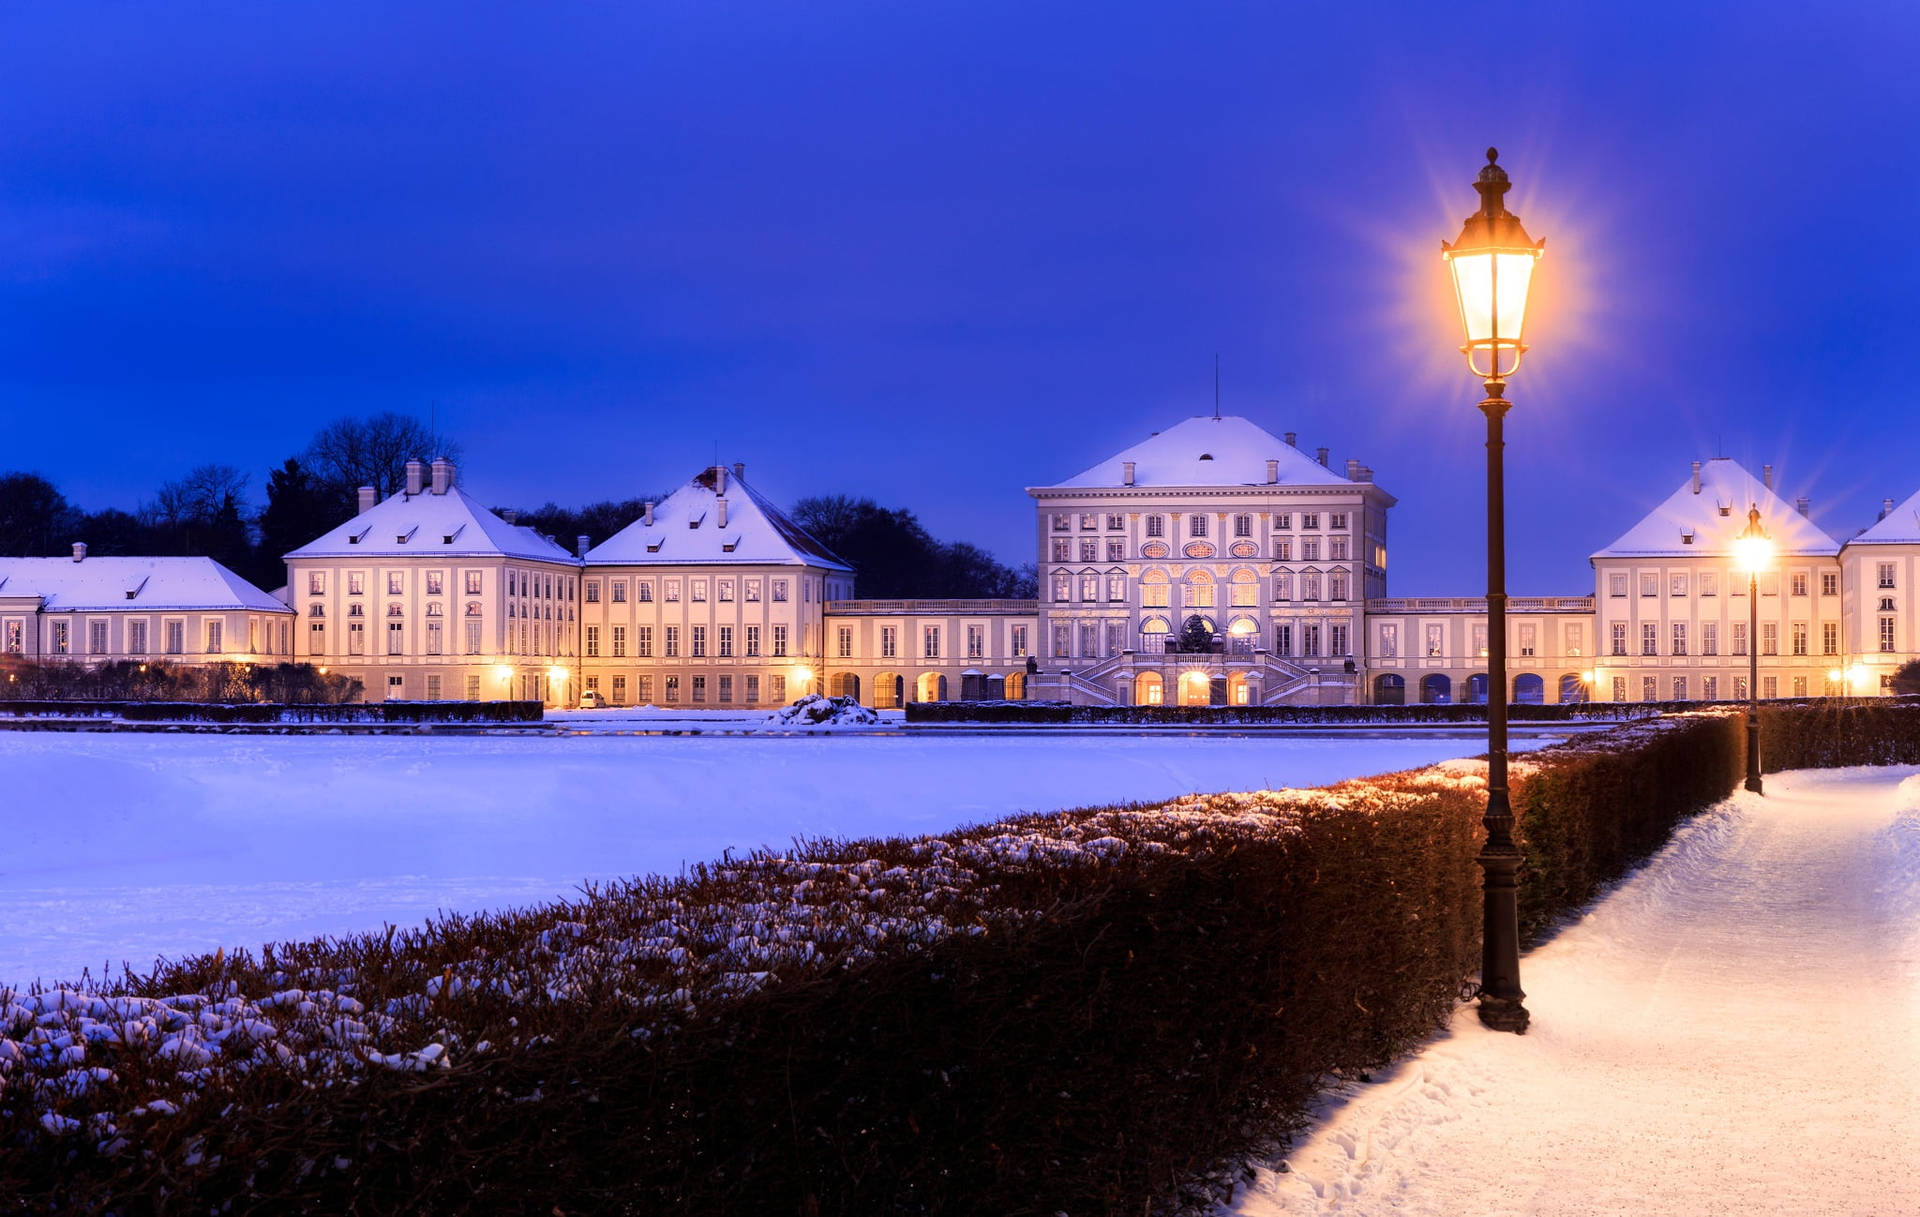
(128, 846)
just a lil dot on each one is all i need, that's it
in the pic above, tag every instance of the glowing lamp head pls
(803, 674)
(503, 671)
(1492, 266)
(557, 675)
(1857, 675)
(1753, 549)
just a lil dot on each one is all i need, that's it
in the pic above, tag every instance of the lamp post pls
(1492, 266)
(1753, 551)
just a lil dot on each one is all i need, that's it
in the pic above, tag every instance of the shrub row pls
(300, 712)
(1088, 1012)
(1041, 712)
(162, 680)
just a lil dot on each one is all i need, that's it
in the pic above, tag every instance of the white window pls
(1830, 638)
(1283, 520)
(1679, 585)
(1062, 521)
(619, 590)
(1649, 585)
(930, 637)
(1886, 574)
(433, 637)
(1528, 638)
(396, 583)
(698, 649)
(1019, 641)
(1088, 522)
(1156, 526)
(779, 641)
(1829, 583)
(136, 638)
(1116, 522)
(1799, 638)
(672, 591)
(1679, 638)
(592, 591)
(1062, 587)
(1739, 638)
(1799, 584)
(396, 638)
(96, 637)
(619, 642)
(726, 645)
(1617, 583)
(213, 637)
(473, 642)
(643, 590)
(643, 641)
(671, 642)
(1886, 634)
(1769, 638)
(356, 583)
(593, 642)
(1709, 583)
(889, 641)
(473, 585)
(1618, 638)
(726, 594)
(1710, 688)
(1649, 638)
(779, 591)
(1309, 519)
(699, 591)
(1709, 638)
(976, 641)
(1243, 526)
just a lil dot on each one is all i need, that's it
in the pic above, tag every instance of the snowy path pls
(129, 846)
(1735, 1030)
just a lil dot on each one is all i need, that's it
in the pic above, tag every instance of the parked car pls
(591, 700)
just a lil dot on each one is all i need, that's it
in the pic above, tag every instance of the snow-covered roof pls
(98, 584)
(1714, 514)
(1901, 526)
(687, 528)
(1208, 451)
(453, 525)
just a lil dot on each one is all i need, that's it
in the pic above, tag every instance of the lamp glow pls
(1492, 266)
(503, 671)
(558, 675)
(803, 674)
(1753, 549)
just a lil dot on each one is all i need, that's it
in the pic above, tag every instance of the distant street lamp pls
(1492, 265)
(1753, 553)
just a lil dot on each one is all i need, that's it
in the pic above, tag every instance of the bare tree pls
(200, 497)
(349, 453)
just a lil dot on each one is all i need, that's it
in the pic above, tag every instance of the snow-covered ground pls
(128, 846)
(1734, 1030)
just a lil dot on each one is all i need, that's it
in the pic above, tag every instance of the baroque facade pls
(1212, 563)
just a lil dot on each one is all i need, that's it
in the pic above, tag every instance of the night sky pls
(936, 254)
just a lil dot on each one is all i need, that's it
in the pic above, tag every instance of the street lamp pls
(1753, 553)
(1492, 265)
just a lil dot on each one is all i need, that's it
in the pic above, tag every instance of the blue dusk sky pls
(937, 253)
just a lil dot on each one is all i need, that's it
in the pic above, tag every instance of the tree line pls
(209, 513)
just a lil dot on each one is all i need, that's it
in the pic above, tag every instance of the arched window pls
(1154, 589)
(1246, 588)
(435, 609)
(1200, 589)
(1389, 689)
(1243, 635)
(473, 608)
(1153, 635)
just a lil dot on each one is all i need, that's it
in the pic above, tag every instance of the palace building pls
(1213, 563)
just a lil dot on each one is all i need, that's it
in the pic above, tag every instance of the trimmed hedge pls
(256, 712)
(1173, 716)
(1088, 1012)
(164, 680)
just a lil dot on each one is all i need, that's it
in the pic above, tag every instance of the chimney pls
(79, 551)
(719, 479)
(582, 543)
(442, 475)
(1292, 437)
(1696, 477)
(1126, 473)
(368, 497)
(646, 513)
(1366, 473)
(1353, 470)
(510, 516)
(1766, 475)
(1801, 504)
(722, 521)
(739, 471)
(1273, 472)
(1886, 508)
(415, 473)
(1320, 454)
